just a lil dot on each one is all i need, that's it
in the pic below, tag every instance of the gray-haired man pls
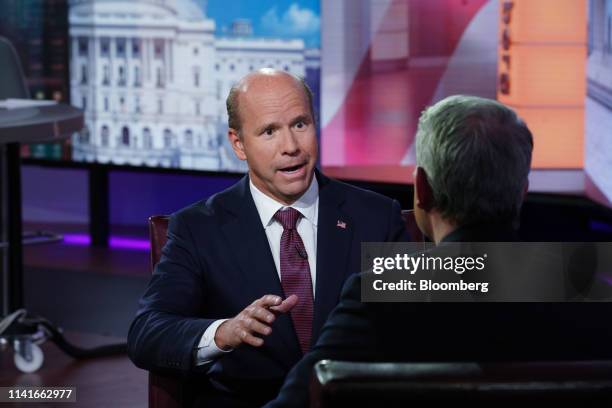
(473, 158)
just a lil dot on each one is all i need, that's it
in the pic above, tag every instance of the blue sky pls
(270, 18)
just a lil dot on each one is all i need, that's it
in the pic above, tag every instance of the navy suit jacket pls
(217, 261)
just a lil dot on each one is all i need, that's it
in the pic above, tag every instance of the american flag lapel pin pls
(341, 224)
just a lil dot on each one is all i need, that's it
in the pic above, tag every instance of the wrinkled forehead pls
(266, 77)
(259, 85)
(263, 94)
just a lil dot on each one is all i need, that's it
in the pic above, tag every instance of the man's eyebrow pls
(302, 118)
(263, 128)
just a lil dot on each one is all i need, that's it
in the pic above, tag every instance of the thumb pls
(286, 305)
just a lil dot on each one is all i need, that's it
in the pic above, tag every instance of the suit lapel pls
(334, 235)
(251, 251)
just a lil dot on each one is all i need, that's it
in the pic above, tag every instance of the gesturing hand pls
(252, 322)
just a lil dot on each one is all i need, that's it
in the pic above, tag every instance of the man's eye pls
(300, 125)
(269, 132)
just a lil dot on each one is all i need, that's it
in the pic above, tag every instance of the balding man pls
(249, 276)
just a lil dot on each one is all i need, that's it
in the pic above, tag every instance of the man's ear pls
(236, 143)
(423, 191)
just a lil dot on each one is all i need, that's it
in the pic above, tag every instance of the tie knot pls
(288, 218)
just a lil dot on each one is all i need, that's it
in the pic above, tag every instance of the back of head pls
(477, 154)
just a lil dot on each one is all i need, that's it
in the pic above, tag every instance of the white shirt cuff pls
(207, 348)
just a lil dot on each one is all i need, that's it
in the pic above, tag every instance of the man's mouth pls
(292, 169)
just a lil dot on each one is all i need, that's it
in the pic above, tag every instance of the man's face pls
(278, 137)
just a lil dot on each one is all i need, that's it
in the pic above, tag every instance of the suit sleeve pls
(347, 335)
(396, 231)
(165, 332)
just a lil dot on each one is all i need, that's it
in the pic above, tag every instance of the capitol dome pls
(189, 10)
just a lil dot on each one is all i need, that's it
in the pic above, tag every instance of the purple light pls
(114, 242)
(77, 239)
(130, 243)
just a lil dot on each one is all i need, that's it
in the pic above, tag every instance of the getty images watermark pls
(486, 271)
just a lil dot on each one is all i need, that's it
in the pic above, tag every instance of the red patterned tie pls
(295, 275)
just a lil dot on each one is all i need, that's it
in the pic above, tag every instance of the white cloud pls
(295, 21)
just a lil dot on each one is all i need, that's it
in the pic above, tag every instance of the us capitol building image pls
(152, 79)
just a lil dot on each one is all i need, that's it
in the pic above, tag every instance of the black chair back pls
(558, 384)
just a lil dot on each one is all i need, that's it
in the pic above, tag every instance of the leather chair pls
(171, 392)
(559, 384)
(164, 391)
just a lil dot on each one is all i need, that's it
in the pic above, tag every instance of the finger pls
(262, 314)
(286, 305)
(253, 325)
(247, 338)
(268, 300)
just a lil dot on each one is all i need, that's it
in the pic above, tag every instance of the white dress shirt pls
(308, 206)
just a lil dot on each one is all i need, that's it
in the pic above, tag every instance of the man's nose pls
(290, 143)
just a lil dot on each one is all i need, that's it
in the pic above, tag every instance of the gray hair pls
(231, 103)
(477, 154)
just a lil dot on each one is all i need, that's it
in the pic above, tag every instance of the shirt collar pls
(307, 204)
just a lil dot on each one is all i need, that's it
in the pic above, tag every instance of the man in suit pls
(473, 158)
(248, 277)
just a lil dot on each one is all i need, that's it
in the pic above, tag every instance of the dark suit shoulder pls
(196, 215)
(217, 205)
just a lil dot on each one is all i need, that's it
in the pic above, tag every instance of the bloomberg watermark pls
(487, 272)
